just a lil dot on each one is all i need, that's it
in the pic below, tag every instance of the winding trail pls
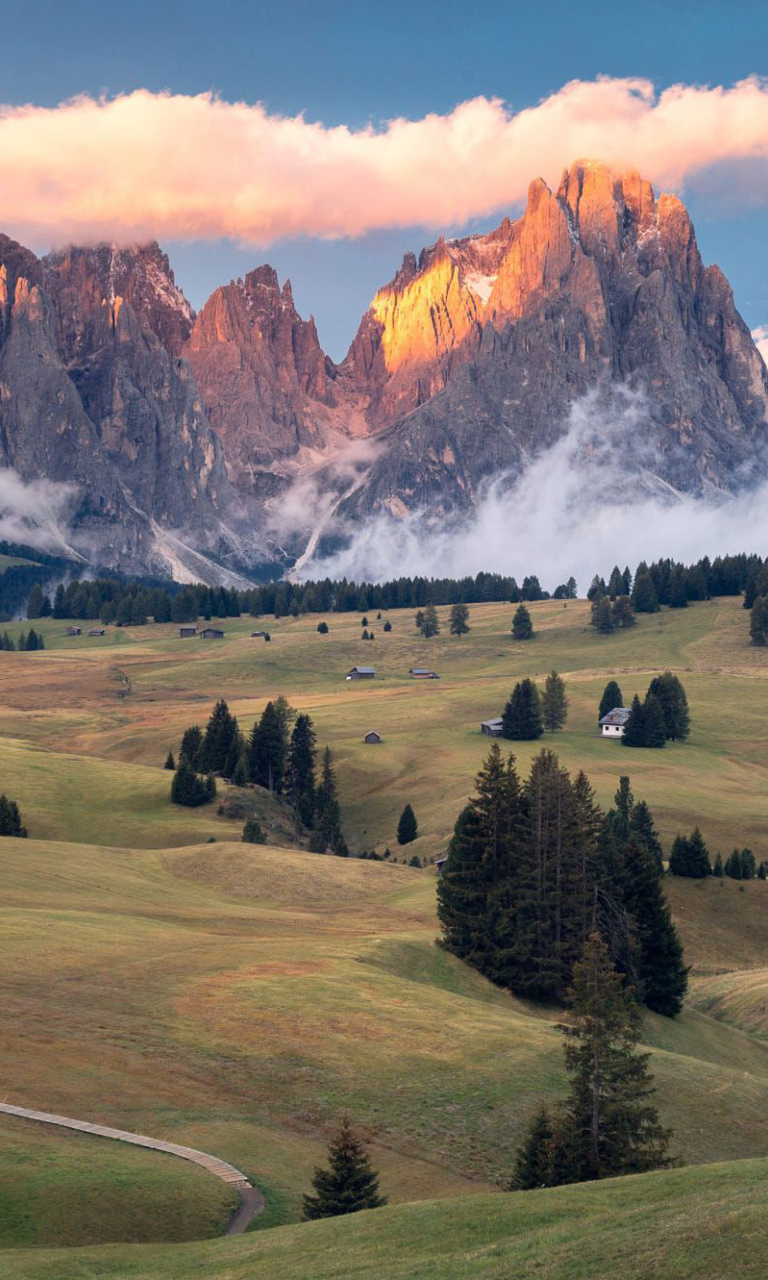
(251, 1199)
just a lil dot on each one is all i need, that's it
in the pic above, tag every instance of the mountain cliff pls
(181, 434)
(473, 358)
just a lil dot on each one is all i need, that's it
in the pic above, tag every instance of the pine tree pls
(611, 1116)
(267, 749)
(407, 827)
(349, 1184)
(718, 869)
(191, 742)
(679, 860)
(602, 615)
(300, 770)
(644, 598)
(327, 832)
(733, 866)
(220, 734)
(655, 731)
(642, 827)
(522, 627)
(459, 620)
(758, 621)
(188, 788)
(762, 873)
(554, 703)
(748, 864)
(170, 763)
(612, 698)
(521, 718)
(533, 1158)
(662, 973)
(430, 623)
(698, 856)
(670, 693)
(323, 628)
(635, 734)
(10, 819)
(387, 625)
(35, 602)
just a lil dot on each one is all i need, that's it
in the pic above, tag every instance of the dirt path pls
(251, 1199)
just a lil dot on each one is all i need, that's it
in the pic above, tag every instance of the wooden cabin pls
(492, 728)
(211, 633)
(186, 633)
(423, 673)
(361, 673)
(372, 737)
(74, 631)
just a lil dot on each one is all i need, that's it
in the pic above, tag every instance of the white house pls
(613, 725)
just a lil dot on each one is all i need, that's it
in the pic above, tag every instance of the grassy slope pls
(68, 699)
(237, 998)
(680, 1225)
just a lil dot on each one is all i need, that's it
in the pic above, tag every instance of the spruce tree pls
(614, 1123)
(253, 832)
(407, 827)
(10, 819)
(758, 621)
(187, 788)
(220, 734)
(679, 860)
(612, 698)
(669, 692)
(642, 827)
(718, 869)
(349, 1184)
(655, 731)
(267, 750)
(323, 628)
(430, 623)
(635, 734)
(698, 856)
(733, 865)
(533, 1158)
(327, 833)
(191, 742)
(662, 973)
(522, 627)
(459, 620)
(300, 770)
(554, 703)
(602, 615)
(644, 598)
(521, 718)
(170, 763)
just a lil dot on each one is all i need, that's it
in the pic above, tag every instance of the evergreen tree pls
(554, 703)
(170, 763)
(698, 856)
(387, 625)
(644, 598)
(267, 750)
(761, 871)
(655, 731)
(533, 1158)
(10, 819)
(300, 771)
(59, 602)
(430, 623)
(35, 602)
(349, 1184)
(678, 588)
(670, 693)
(602, 615)
(253, 832)
(623, 614)
(612, 1119)
(328, 833)
(521, 718)
(679, 860)
(191, 742)
(635, 733)
(748, 864)
(407, 827)
(323, 628)
(234, 755)
(642, 827)
(220, 734)
(241, 775)
(662, 973)
(612, 698)
(459, 620)
(522, 627)
(758, 621)
(188, 788)
(718, 869)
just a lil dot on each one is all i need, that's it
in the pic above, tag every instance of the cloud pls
(760, 335)
(36, 513)
(146, 165)
(591, 499)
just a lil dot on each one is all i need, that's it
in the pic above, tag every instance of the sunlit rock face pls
(595, 284)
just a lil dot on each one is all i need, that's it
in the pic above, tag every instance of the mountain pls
(95, 395)
(228, 442)
(473, 357)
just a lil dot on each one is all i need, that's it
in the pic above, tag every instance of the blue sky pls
(344, 63)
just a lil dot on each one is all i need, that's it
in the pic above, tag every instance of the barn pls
(211, 633)
(187, 632)
(373, 737)
(361, 673)
(492, 728)
(423, 673)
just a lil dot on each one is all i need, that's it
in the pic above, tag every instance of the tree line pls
(26, 643)
(279, 753)
(535, 867)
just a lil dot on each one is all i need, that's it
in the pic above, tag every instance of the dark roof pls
(372, 733)
(369, 671)
(619, 715)
(419, 671)
(496, 723)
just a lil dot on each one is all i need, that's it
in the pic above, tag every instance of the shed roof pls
(619, 715)
(369, 671)
(496, 723)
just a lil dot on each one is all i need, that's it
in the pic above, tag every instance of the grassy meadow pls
(237, 998)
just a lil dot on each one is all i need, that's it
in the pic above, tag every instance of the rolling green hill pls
(237, 997)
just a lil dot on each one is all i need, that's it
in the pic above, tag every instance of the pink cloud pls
(760, 335)
(160, 165)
